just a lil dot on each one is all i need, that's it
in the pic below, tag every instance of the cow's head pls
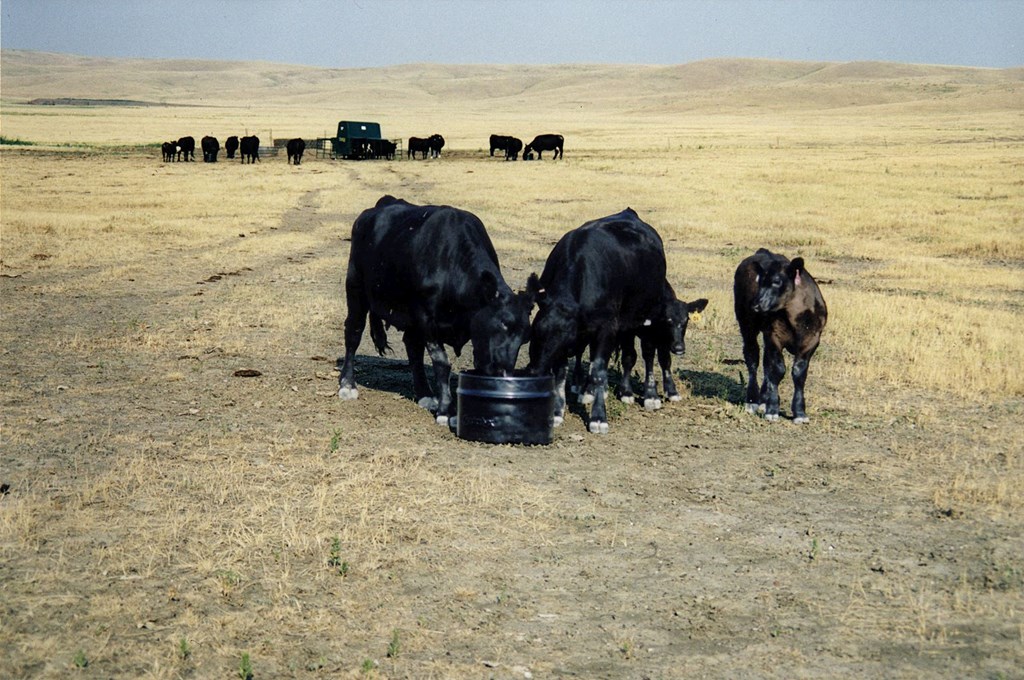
(776, 282)
(676, 320)
(501, 326)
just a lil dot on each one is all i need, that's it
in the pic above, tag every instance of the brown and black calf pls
(779, 300)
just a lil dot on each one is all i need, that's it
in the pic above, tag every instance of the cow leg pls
(651, 400)
(355, 322)
(668, 384)
(799, 373)
(599, 386)
(442, 374)
(774, 371)
(422, 393)
(579, 385)
(752, 358)
(627, 353)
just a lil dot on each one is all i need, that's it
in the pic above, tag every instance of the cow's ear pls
(697, 306)
(488, 286)
(794, 269)
(533, 290)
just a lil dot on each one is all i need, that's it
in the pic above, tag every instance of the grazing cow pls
(387, 149)
(296, 147)
(602, 282)
(250, 148)
(499, 143)
(431, 272)
(170, 151)
(418, 145)
(210, 147)
(436, 143)
(231, 146)
(514, 146)
(187, 147)
(778, 299)
(542, 143)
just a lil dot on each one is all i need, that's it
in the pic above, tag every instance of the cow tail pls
(379, 335)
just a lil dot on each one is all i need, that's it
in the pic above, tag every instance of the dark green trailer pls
(354, 139)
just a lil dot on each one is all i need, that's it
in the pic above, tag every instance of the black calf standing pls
(778, 299)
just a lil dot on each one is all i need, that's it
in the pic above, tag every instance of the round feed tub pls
(505, 409)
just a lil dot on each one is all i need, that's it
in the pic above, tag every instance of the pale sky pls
(359, 33)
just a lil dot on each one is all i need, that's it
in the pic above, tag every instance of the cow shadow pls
(385, 374)
(714, 385)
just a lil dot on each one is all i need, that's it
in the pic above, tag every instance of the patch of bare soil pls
(183, 488)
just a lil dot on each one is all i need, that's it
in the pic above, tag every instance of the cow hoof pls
(442, 420)
(453, 422)
(556, 421)
(750, 408)
(771, 417)
(586, 398)
(597, 427)
(652, 404)
(627, 400)
(348, 393)
(428, 403)
(801, 420)
(675, 397)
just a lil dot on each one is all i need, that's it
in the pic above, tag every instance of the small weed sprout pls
(184, 649)
(245, 667)
(334, 559)
(335, 441)
(393, 646)
(368, 665)
(80, 659)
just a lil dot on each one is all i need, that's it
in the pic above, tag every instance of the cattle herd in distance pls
(184, 149)
(588, 295)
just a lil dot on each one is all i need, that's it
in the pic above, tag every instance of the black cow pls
(210, 147)
(187, 147)
(387, 149)
(514, 146)
(436, 144)
(418, 145)
(250, 148)
(542, 143)
(296, 147)
(431, 272)
(603, 282)
(780, 300)
(231, 146)
(170, 151)
(499, 143)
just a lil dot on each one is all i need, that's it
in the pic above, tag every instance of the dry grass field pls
(162, 517)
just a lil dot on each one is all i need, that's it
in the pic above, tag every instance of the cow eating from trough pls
(779, 300)
(210, 147)
(603, 282)
(543, 143)
(249, 148)
(431, 272)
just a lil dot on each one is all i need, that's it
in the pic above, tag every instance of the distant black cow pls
(418, 145)
(187, 148)
(499, 143)
(431, 272)
(542, 143)
(296, 147)
(231, 146)
(778, 299)
(210, 147)
(512, 148)
(250, 148)
(387, 149)
(603, 282)
(436, 144)
(170, 151)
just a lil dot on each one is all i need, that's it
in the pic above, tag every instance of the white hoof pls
(675, 397)
(428, 403)
(628, 400)
(751, 408)
(442, 420)
(652, 404)
(598, 427)
(348, 393)
(586, 398)
(801, 420)
(771, 417)
(557, 421)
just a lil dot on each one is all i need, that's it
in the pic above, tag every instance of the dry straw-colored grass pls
(156, 499)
